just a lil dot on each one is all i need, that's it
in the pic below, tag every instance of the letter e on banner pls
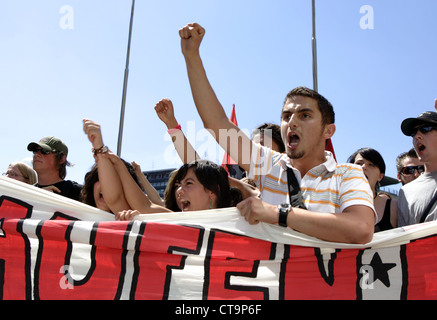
(233, 267)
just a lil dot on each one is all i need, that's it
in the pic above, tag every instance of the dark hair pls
(325, 107)
(410, 154)
(62, 167)
(213, 178)
(87, 195)
(371, 155)
(272, 130)
(169, 193)
(92, 176)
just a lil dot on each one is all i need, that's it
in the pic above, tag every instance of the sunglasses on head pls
(410, 170)
(43, 152)
(424, 129)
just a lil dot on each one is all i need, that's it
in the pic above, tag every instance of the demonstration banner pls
(52, 247)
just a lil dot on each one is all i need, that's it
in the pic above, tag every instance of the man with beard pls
(417, 199)
(337, 198)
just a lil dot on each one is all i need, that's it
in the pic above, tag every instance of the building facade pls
(159, 179)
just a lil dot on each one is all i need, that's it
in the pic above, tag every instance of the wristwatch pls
(103, 149)
(284, 209)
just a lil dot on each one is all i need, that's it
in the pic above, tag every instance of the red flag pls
(330, 147)
(228, 163)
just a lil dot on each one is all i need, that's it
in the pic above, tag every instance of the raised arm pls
(111, 187)
(165, 111)
(210, 110)
(150, 190)
(134, 195)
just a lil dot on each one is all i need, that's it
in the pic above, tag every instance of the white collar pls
(330, 164)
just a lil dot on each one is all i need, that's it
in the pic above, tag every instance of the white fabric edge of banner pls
(46, 203)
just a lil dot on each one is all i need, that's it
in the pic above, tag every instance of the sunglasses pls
(410, 170)
(423, 129)
(43, 152)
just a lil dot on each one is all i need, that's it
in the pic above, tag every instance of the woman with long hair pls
(198, 185)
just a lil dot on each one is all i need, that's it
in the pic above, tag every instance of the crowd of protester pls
(291, 179)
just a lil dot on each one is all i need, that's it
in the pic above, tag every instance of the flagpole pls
(314, 43)
(126, 74)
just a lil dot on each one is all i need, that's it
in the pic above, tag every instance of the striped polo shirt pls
(328, 187)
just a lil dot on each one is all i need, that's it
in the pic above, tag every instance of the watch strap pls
(103, 149)
(283, 215)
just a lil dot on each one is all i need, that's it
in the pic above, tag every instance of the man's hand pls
(254, 210)
(52, 189)
(191, 37)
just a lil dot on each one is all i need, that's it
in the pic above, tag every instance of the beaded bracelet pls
(174, 130)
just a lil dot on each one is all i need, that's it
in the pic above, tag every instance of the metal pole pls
(126, 74)
(314, 42)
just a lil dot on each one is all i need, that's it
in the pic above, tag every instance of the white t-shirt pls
(329, 187)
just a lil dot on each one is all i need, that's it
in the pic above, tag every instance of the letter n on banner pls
(312, 273)
(422, 269)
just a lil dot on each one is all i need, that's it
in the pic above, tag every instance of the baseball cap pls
(408, 125)
(50, 144)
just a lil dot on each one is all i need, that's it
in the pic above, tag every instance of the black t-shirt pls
(385, 223)
(69, 189)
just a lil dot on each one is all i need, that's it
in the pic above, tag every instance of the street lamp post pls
(126, 74)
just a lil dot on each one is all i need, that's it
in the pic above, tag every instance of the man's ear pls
(329, 131)
(62, 159)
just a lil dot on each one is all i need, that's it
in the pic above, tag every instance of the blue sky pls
(55, 71)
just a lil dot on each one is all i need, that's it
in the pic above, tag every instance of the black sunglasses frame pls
(410, 170)
(423, 129)
(43, 152)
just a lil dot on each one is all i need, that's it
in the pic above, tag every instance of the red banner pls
(56, 255)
